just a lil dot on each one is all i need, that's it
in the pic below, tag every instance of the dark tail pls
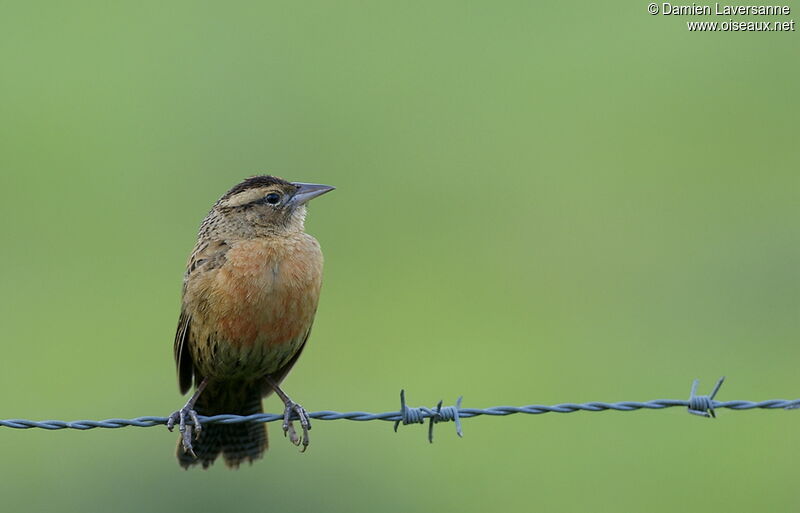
(236, 442)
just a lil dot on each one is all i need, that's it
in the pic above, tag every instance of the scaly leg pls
(180, 417)
(292, 407)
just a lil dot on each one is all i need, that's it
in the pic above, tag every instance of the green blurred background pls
(536, 203)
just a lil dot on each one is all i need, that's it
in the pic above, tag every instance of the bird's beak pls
(308, 191)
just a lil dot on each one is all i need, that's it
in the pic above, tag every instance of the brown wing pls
(206, 256)
(183, 358)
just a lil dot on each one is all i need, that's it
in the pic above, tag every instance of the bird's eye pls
(273, 198)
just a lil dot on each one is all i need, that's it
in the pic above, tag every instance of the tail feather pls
(238, 443)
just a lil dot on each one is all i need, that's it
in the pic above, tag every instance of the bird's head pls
(265, 204)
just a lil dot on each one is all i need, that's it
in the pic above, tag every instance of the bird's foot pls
(288, 426)
(185, 428)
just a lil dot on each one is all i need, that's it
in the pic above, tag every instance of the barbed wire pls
(703, 405)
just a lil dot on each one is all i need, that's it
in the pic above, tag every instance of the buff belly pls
(221, 360)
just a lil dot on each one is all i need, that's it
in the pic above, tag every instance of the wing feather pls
(207, 256)
(183, 357)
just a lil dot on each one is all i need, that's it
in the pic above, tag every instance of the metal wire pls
(703, 405)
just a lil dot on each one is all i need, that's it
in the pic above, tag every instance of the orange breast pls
(257, 308)
(267, 292)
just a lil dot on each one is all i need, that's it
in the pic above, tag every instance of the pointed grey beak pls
(308, 191)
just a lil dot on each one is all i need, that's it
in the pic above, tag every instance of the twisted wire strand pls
(704, 405)
(395, 416)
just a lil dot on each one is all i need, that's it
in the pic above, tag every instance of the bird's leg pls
(292, 407)
(180, 417)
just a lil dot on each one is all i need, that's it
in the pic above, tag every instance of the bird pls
(250, 294)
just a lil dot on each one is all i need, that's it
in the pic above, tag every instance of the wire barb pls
(447, 414)
(703, 405)
(409, 415)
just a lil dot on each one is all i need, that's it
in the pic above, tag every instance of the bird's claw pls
(288, 426)
(186, 429)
